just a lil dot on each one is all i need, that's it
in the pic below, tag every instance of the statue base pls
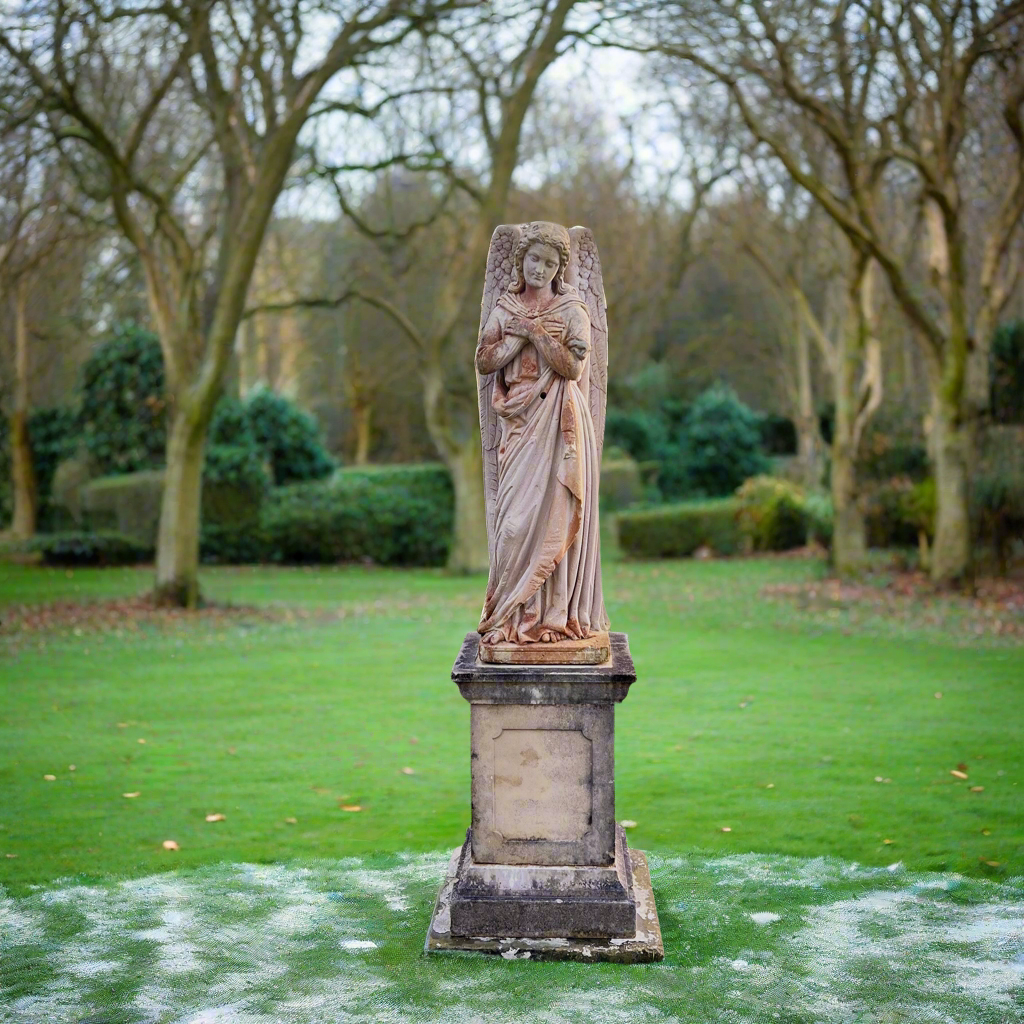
(545, 869)
(643, 945)
(594, 650)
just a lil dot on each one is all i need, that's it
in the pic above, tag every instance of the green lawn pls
(748, 714)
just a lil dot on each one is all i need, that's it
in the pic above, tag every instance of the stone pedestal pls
(544, 867)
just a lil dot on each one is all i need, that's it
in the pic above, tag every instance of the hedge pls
(77, 548)
(676, 531)
(390, 516)
(621, 485)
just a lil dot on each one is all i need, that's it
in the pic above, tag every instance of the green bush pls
(289, 438)
(887, 514)
(893, 446)
(70, 478)
(80, 548)
(723, 442)
(676, 531)
(997, 491)
(403, 517)
(772, 513)
(640, 432)
(621, 485)
(820, 517)
(1006, 374)
(128, 503)
(123, 415)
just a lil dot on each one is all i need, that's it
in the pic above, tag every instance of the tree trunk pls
(849, 540)
(951, 549)
(23, 473)
(808, 434)
(363, 412)
(469, 539)
(177, 553)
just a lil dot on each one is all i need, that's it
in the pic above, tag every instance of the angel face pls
(540, 264)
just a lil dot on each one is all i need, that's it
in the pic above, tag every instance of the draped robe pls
(545, 573)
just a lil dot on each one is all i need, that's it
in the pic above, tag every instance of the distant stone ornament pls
(542, 371)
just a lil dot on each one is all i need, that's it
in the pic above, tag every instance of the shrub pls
(362, 516)
(675, 531)
(778, 434)
(820, 517)
(1006, 374)
(997, 491)
(772, 513)
(123, 416)
(621, 485)
(104, 547)
(893, 446)
(886, 514)
(289, 438)
(129, 504)
(640, 433)
(69, 480)
(723, 441)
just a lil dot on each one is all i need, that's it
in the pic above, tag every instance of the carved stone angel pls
(541, 366)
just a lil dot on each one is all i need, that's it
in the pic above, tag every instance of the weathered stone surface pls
(607, 683)
(543, 783)
(541, 361)
(644, 946)
(594, 650)
(541, 901)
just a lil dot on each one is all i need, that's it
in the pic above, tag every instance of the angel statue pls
(541, 363)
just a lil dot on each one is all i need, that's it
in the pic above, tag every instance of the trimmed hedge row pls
(677, 531)
(80, 548)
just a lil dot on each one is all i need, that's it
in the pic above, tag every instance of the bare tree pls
(37, 230)
(890, 89)
(484, 75)
(185, 116)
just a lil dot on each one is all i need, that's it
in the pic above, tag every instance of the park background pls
(241, 256)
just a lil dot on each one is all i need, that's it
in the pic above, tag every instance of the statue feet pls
(552, 637)
(492, 638)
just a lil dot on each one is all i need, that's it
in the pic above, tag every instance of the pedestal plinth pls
(544, 868)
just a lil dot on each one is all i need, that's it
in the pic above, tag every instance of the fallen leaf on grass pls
(351, 807)
(122, 725)
(977, 789)
(986, 831)
(10, 856)
(962, 766)
(408, 771)
(132, 796)
(49, 778)
(725, 828)
(628, 823)
(990, 863)
(231, 750)
(142, 741)
(216, 817)
(291, 821)
(888, 842)
(72, 767)
(957, 774)
(170, 844)
(769, 785)
(938, 696)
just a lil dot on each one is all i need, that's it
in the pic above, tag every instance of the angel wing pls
(584, 272)
(497, 278)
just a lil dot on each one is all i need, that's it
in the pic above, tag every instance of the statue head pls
(543, 240)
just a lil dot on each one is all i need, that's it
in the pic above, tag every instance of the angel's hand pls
(520, 328)
(579, 348)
